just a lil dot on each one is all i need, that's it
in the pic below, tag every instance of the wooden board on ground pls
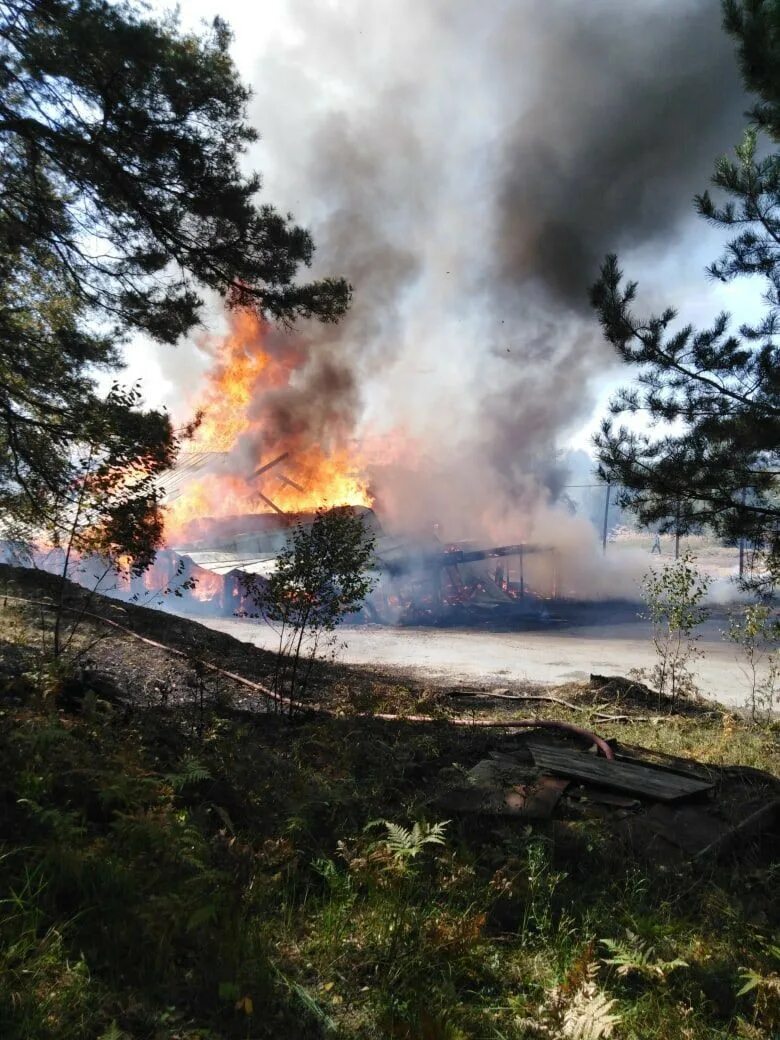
(503, 785)
(634, 777)
(671, 763)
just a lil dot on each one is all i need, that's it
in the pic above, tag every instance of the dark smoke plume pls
(621, 120)
(466, 165)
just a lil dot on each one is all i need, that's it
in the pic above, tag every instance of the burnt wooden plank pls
(635, 777)
(671, 763)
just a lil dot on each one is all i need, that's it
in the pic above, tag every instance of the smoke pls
(625, 108)
(466, 166)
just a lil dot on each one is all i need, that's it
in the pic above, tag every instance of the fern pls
(590, 1015)
(191, 772)
(635, 957)
(405, 843)
(755, 980)
(765, 990)
(327, 1024)
(113, 1033)
(583, 1013)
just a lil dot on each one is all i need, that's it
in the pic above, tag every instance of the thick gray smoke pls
(624, 108)
(467, 165)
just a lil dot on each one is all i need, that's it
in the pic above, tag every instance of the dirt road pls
(562, 650)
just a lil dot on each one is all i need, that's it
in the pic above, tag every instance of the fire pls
(240, 365)
(311, 475)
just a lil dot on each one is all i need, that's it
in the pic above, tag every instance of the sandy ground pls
(607, 640)
(561, 651)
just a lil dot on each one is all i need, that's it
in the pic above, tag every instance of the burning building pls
(263, 458)
(470, 221)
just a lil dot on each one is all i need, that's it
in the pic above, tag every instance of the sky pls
(466, 166)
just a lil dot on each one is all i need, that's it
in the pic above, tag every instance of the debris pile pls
(662, 807)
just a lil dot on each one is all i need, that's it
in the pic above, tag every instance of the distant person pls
(656, 544)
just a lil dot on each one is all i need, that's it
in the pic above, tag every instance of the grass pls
(173, 872)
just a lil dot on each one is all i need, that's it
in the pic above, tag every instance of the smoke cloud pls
(466, 166)
(625, 107)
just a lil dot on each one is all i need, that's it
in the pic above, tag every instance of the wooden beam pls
(292, 484)
(268, 502)
(270, 465)
(634, 777)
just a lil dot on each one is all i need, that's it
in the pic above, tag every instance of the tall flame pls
(311, 475)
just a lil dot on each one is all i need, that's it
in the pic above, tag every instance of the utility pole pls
(742, 540)
(606, 519)
(677, 532)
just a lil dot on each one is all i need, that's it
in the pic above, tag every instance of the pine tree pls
(122, 200)
(65, 449)
(717, 391)
(120, 147)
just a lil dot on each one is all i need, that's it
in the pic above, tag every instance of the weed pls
(673, 596)
(754, 631)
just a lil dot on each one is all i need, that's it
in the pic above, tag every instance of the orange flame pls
(311, 476)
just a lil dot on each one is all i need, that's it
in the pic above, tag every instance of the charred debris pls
(419, 579)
